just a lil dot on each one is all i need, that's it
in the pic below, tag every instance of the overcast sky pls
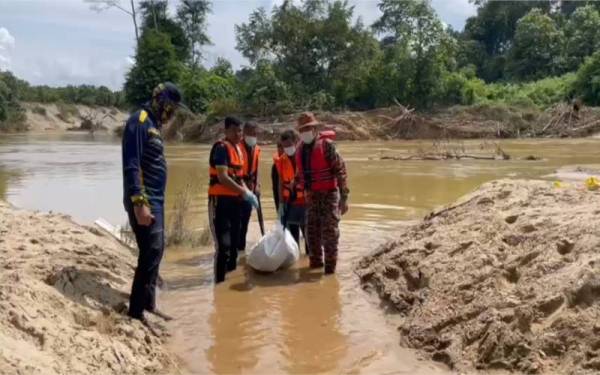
(60, 42)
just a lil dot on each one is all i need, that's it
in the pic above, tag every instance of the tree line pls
(318, 54)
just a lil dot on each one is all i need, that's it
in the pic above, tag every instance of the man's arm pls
(133, 140)
(224, 179)
(338, 168)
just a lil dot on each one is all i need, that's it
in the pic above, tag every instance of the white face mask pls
(290, 151)
(307, 137)
(250, 141)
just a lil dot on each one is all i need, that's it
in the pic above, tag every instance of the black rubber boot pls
(329, 269)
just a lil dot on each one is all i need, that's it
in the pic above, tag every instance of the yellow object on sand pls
(592, 183)
(557, 184)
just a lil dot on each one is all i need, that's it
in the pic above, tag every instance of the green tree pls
(493, 28)
(155, 16)
(263, 92)
(155, 62)
(222, 68)
(415, 30)
(191, 15)
(313, 47)
(4, 101)
(587, 82)
(582, 36)
(536, 50)
(253, 39)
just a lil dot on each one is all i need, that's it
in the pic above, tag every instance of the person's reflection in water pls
(310, 313)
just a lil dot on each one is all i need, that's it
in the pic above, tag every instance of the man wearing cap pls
(251, 154)
(322, 174)
(144, 181)
(227, 192)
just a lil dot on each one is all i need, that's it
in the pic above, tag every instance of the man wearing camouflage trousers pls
(322, 173)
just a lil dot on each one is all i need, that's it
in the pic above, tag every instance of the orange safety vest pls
(234, 170)
(250, 175)
(287, 173)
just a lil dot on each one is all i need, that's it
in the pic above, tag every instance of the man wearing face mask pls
(290, 208)
(144, 181)
(226, 194)
(322, 175)
(251, 154)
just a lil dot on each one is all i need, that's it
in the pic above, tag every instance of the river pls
(294, 321)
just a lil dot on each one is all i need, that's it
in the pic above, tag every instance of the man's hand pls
(143, 216)
(251, 198)
(343, 206)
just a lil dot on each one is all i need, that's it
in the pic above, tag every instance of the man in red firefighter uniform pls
(322, 173)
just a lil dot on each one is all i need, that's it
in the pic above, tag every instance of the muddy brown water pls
(294, 321)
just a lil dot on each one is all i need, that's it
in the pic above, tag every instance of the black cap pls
(169, 91)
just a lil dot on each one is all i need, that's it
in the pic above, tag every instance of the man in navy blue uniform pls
(144, 181)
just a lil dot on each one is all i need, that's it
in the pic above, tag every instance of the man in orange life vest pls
(226, 193)
(322, 174)
(251, 154)
(290, 195)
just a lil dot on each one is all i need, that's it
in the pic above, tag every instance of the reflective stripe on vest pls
(318, 176)
(250, 175)
(287, 174)
(234, 170)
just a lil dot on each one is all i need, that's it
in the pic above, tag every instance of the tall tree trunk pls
(154, 15)
(137, 36)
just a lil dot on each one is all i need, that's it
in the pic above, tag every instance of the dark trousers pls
(224, 219)
(151, 243)
(245, 214)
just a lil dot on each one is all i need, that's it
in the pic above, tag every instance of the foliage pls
(155, 16)
(582, 35)
(191, 16)
(263, 93)
(587, 83)
(200, 87)
(536, 49)
(156, 62)
(12, 115)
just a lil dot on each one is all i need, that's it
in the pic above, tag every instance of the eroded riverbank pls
(62, 292)
(505, 278)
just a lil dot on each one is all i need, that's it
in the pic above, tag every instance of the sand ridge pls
(507, 278)
(63, 288)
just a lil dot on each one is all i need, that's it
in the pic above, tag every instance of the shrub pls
(39, 110)
(66, 111)
(587, 81)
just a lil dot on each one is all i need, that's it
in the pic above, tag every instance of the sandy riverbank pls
(48, 117)
(62, 288)
(506, 278)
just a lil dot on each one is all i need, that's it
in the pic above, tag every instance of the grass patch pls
(66, 112)
(178, 231)
(39, 110)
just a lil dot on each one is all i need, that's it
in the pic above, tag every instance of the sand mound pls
(508, 277)
(62, 287)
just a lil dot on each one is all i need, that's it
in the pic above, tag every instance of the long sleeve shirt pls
(144, 164)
